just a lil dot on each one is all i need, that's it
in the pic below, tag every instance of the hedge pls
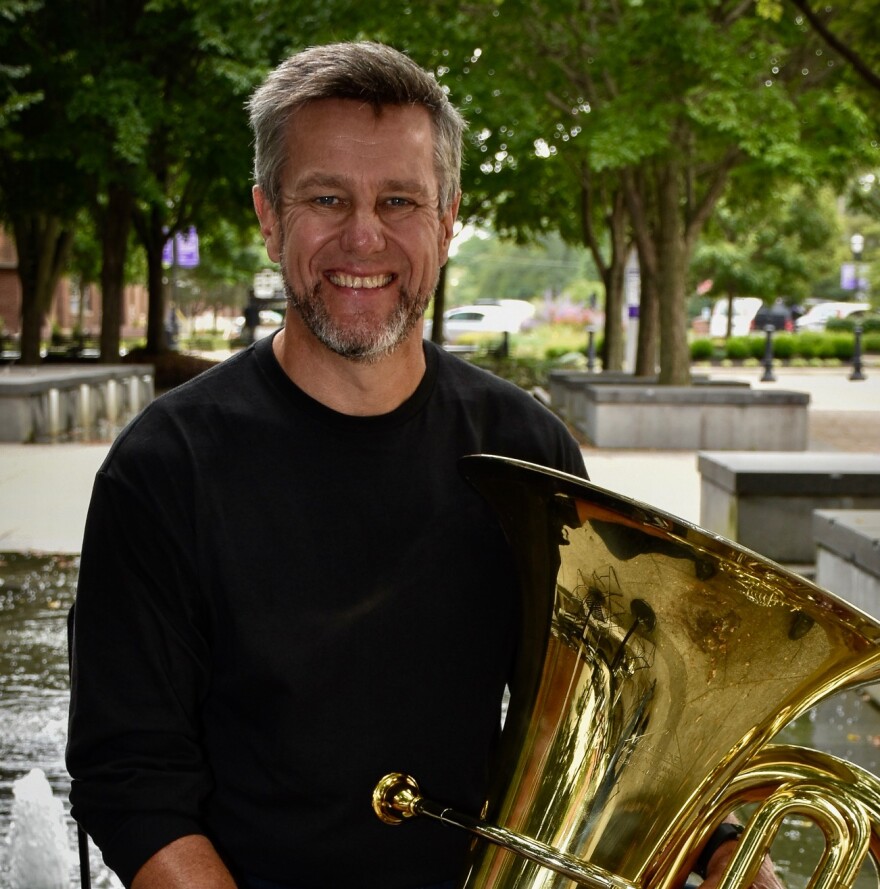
(786, 346)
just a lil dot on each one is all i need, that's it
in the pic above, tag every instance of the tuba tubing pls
(656, 661)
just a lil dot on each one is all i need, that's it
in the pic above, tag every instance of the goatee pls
(364, 339)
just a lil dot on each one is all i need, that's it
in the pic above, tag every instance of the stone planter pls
(766, 501)
(58, 402)
(637, 413)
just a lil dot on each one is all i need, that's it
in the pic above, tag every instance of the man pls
(286, 588)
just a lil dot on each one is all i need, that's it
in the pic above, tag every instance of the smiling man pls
(286, 588)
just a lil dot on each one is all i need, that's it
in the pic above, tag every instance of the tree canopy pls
(621, 128)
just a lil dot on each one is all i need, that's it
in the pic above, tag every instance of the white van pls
(744, 310)
(819, 315)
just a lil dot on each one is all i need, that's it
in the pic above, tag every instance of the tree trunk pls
(612, 270)
(157, 340)
(114, 225)
(728, 327)
(439, 306)
(637, 205)
(649, 311)
(43, 244)
(613, 346)
(671, 281)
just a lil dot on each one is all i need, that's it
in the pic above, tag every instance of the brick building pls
(73, 307)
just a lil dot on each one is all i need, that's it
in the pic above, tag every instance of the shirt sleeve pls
(140, 666)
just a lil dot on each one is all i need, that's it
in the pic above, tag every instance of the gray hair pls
(366, 71)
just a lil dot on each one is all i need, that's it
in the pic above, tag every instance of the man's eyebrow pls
(319, 180)
(329, 181)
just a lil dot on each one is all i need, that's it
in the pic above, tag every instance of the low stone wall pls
(70, 402)
(765, 501)
(638, 413)
(848, 555)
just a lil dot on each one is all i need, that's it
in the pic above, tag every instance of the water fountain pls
(39, 852)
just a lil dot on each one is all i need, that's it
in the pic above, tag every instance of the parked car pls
(744, 310)
(819, 315)
(489, 318)
(778, 316)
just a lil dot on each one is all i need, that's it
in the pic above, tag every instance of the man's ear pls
(269, 226)
(447, 228)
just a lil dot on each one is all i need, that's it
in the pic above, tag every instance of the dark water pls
(35, 596)
(37, 592)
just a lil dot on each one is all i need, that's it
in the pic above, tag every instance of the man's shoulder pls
(189, 409)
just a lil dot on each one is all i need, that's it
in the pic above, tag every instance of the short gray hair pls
(366, 71)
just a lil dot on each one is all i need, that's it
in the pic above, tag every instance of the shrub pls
(871, 324)
(757, 346)
(702, 350)
(738, 348)
(783, 346)
(843, 346)
(871, 342)
(524, 372)
(806, 344)
(825, 346)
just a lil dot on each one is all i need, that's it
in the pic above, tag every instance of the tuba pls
(656, 662)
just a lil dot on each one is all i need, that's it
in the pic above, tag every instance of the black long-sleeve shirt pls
(278, 604)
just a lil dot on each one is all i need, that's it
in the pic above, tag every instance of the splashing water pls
(39, 850)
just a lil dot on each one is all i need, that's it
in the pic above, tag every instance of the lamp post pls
(857, 245)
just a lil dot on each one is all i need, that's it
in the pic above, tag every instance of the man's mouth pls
(358, 282)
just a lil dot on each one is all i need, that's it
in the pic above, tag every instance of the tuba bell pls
(656, 662)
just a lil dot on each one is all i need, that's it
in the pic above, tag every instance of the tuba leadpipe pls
(656, 662)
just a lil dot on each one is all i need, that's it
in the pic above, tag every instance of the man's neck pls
(351, 387)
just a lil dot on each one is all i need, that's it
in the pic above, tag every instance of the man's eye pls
(396, 203)
(326, 200)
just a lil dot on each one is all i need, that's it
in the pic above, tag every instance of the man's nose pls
(363, 231)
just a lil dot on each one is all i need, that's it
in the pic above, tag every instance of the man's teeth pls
(358, 282)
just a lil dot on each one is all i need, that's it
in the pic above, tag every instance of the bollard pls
(53, 400)
(857, 355)
(111, 405)
(768, 356)
(591, 349)
(84, 411)
(504, 348)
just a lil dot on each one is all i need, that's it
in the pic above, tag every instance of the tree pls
(193, 60)
(794, 245)
(41, 185)
(848, 30)
(658, 101)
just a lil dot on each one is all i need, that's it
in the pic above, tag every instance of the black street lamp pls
(857, 245)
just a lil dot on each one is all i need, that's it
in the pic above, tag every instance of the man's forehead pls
(343, 142)
(380, 113)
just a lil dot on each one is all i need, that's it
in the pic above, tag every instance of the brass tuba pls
(656, 662)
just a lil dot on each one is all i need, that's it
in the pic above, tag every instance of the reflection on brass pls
(656, 662)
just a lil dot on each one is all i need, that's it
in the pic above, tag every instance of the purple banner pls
(186, 246)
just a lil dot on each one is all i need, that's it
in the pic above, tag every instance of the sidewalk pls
(45, 489)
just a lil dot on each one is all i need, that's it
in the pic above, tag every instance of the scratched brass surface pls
(656, 660)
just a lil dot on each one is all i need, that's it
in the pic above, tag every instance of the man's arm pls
(188, 863)
(766, 878)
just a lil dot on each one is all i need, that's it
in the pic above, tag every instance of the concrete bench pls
(71, 402)
(765, 501)
(848, 555)
(711, 416)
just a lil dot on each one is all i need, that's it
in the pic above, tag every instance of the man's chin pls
(367, 347)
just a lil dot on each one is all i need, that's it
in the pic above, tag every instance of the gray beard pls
(364, 343)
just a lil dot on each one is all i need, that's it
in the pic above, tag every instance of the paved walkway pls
(45, 489)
